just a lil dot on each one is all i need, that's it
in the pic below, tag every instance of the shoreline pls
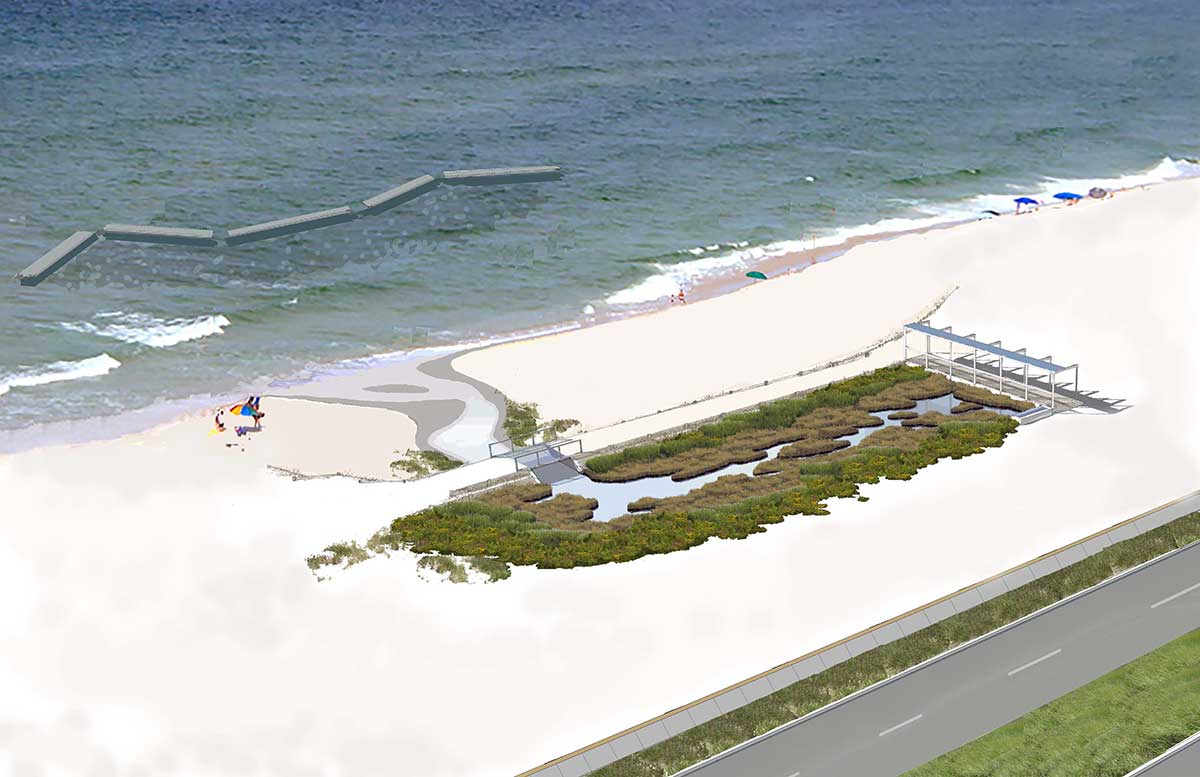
(718, 284)
(676, 358)
(182, 556)
(106, 427)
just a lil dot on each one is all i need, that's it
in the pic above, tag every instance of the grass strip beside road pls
(866, 669)
(1107, 728)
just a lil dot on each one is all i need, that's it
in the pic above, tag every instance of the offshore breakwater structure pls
(57, 258)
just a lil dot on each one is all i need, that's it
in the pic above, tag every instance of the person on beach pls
(681, 297)
(258, 414)
(219, 419)
(248, 408)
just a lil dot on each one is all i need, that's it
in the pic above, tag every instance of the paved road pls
(945, 704)
(1184, 762)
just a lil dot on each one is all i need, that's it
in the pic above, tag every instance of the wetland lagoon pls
(729, 478)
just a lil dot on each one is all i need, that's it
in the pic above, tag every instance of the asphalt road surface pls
(940, 706)
(1184, 762)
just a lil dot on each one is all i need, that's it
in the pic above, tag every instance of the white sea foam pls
(722, 259)
(670, 278)
(462, 344)
(150, 331)
(60, 371)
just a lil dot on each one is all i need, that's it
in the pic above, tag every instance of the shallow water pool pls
(614, 498)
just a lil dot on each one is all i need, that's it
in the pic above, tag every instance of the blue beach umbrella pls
(1025, 201)
(1068, 196)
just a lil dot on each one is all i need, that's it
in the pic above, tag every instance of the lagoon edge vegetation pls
(525, 526)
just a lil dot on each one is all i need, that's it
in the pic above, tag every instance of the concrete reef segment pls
(170, 235)
(500, 175)
(57, 257)
(288, 226)
(410, 190)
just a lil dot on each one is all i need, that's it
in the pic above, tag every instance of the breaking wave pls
(724, 258)
(60, 371)
(143, 329)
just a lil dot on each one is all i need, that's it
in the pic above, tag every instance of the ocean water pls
(696, 137)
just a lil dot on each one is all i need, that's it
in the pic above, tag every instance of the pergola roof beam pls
(993, 348)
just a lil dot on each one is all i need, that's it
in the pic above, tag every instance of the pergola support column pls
(1026, 386)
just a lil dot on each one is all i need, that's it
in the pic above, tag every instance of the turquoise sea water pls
(695, 137)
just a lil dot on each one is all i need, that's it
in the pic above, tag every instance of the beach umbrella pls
(1025, 201)
(1097, 193)
(1068, 196)
(756, 274)
(241, 409)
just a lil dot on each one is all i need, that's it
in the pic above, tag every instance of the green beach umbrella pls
(756, 274)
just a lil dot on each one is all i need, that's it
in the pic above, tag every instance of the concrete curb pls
(1153, 762)
(587, 759)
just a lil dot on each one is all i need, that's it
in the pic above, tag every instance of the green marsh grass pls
(520, 421)
(731, 507)
(779, 414)
(528, 525)
(422, 463)
(981, 396)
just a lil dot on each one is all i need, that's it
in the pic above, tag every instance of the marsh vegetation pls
(423, 463)
(529, 524)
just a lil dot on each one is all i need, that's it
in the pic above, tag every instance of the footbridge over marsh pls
(550, 460)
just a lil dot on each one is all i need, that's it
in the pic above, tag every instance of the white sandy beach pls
(313, 439)
(160, 618)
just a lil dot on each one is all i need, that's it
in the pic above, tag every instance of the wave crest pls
(143, 329)
(721, 259)
(93, 367)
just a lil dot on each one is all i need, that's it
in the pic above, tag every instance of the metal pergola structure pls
(930, 358)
